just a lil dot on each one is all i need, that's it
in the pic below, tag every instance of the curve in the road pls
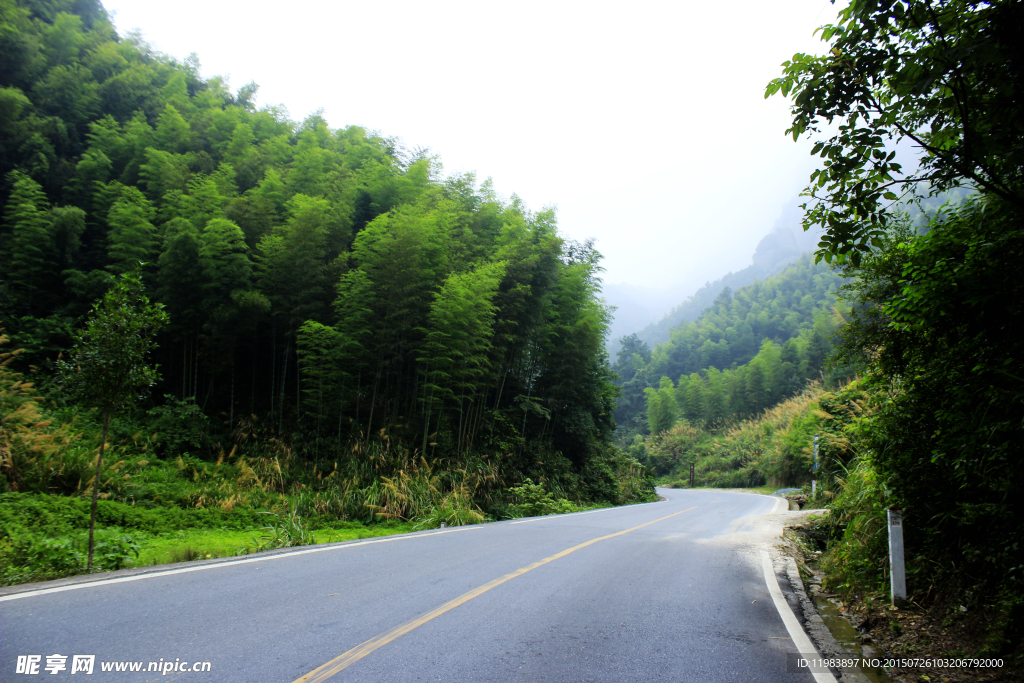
(343, 661)
(640, 593)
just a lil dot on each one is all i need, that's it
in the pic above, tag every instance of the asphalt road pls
(667, 591)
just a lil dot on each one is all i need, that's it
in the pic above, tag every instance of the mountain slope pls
(781, 325)
(774, 252)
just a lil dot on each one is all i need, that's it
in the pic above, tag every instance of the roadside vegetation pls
(257, 496)
(936, 312)
(931, 307)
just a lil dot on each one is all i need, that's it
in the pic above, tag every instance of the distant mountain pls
(785, 243)
(637, 306)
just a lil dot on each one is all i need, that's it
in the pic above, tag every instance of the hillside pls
(746, 351)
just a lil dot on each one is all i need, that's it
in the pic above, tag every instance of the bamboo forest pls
(347, 331)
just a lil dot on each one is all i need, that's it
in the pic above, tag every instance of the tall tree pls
(456, 349)
(133, 239)
(662, 407)
(107, 368)
(27, 245)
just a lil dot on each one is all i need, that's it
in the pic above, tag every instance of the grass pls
(338, 535)
(763, 490)
(201, 544)
(158, 503)
(187, 545)
(44, 536)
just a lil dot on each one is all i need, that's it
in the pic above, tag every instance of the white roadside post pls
(814, 482)
(897, 573)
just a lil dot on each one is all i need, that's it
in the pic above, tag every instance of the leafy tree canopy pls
(943, 74)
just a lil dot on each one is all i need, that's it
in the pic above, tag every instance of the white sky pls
(643, 122)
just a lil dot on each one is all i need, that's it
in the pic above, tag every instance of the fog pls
(645, 124)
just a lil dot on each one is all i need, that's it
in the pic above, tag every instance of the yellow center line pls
(342, 661)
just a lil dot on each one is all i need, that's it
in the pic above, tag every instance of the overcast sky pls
(644, 123)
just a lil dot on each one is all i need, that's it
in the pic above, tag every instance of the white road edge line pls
(778, 502)
(796, 633)
(571, 514)
(217, 565)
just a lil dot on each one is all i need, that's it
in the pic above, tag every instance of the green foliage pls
(281, 531)
(34, 454)
(133, 239)
(29, 557)
(37, 243)
(858, 556)
(107, 368)
(940, 74)
(842, 415)
(792, 456)
(775, 447)
(774, 253)
(178, 427)
(67, 516)
(936, 341)
(114, 551)
(937, 308)
(323, 282)
(457, 346)
(661, 406)
(454, 509)
(619, 479)
(108, 365)
(534, 500)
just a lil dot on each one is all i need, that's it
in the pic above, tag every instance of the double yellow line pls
(342, 661)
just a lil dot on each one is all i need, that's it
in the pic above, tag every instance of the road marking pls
(571, 514)
(343, 661)
(779, 501)
(585, 512)
(231, 563)
(796, 633)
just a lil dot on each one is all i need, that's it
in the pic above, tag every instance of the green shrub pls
(285, 531)
(179, 427)
(61, 515)
(533, 500)
(791, 455)
(25, 556)
(454, 509)
(30, 558)
(113, 551)
(858, 553)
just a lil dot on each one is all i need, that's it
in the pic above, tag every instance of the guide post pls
(897, 572)
(814, 480)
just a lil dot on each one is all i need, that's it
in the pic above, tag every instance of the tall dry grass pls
(773, 447)
(35, 453)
